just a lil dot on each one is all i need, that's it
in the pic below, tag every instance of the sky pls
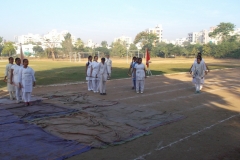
(101, 20)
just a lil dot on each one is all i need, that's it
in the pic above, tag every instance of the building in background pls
(126, 39)
(91, 44)
(158, 30)
(52, 36)
(180, 41)
(28, 38)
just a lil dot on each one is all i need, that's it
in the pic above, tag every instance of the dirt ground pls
(211, 129)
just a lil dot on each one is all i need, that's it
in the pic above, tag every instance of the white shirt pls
(108, 62)
(16, 68)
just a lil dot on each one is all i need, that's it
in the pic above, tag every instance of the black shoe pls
(104, 93)
(132, 87)
(101, 93)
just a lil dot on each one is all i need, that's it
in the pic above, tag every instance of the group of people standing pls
(98, 73)
(20, 80)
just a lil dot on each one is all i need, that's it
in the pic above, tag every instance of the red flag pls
(21, 54)
(147, 58)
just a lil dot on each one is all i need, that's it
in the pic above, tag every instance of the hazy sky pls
(107, 19)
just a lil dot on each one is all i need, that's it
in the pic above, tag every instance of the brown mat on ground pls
(142, 118)
(77, 100)
(90, 130)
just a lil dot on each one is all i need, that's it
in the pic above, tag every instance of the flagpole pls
(147, 56)
(21, 54)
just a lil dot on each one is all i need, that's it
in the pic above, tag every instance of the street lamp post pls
(127, 53)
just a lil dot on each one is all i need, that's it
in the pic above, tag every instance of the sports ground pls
(210, 123)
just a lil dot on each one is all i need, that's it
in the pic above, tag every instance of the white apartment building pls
(57, 38)
(28, 38)
(52, 36)
(193, 37)
(126, 39)
(158, 30)
(179, 41)
(91, 44)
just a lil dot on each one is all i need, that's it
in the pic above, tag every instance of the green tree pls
(194, 51)
(104, 44)
(8, 49)
(103, 50)
(67, 44)
(118, 49)
(79, 45)
(1, 46)
(133, 47)
(206, 49)
(223, 31)
(148, 40)
(38, 49)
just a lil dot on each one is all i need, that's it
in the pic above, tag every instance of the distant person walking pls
(7, 78)
(140, 74)
(88, 73)
(198, 71)
(108, 61)
(26, 81)
(94, 74)
(205, 65)
(15, 69)
(103, 74)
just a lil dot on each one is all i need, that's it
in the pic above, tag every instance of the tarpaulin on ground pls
(90, 130)
(141, 118)
(20, 140)
(37, 110)
(7, 117)
(77, 100)
(6, 101)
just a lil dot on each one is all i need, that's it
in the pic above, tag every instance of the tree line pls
(228, 46)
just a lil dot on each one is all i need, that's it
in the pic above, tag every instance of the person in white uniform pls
(198, 72)
(94, 74)
(26, 81)
(7, 78)
(14, 78)
(140, 74)
(205, 66)
(108, 61)
(88, 72)
(103, 74)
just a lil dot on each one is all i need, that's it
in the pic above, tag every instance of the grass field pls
(54, 72)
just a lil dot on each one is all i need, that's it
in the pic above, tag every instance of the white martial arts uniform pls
(26, 78)
(16, 69)
(103, 74)
(109, 66)
(198, 71)
(140, 77)
(95, 80)
(89, 78)
(205, 68)
(10, 87)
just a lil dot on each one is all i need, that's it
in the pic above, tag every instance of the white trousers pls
(89, 83)
(198, 87)
(139, 85)
(27, 96)
(109, 71)
(102, 86)
(18, 92)
(95, 84)
(11, 94)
